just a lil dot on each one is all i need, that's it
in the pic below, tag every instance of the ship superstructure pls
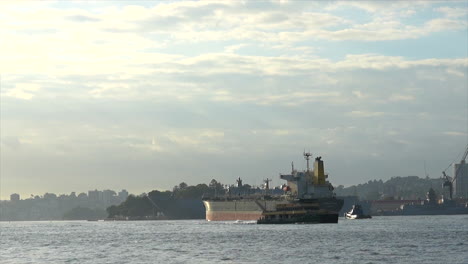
(305, 189)
(309, 184)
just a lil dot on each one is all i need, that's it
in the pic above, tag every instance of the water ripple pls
(438, 239)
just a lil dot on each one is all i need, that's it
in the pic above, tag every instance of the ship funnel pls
(319, 171)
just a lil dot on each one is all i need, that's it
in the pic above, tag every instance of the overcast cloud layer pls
(146, 95)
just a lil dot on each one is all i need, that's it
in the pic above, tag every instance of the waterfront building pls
(14, 197)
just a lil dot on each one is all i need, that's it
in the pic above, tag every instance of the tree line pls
(399, 188)
(184, 201)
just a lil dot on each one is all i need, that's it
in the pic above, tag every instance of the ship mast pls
(267, 184)
(307, 157)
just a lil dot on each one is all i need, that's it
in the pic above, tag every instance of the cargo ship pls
(430, 206)
(308, 189)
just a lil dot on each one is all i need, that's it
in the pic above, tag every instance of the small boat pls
(357, 213)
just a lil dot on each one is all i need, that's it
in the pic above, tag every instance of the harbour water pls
(396, 239)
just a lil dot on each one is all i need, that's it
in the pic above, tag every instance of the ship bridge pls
(309, 183)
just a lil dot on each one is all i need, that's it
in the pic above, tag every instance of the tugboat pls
(357, 213)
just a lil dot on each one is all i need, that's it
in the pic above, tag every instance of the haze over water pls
(410, 239)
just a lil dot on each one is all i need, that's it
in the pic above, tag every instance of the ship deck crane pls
(448, 181)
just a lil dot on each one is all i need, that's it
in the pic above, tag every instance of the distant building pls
(15, 197)
(50, 196)
(107, 197)
(94, 196)
(123, 195)
(460, 171)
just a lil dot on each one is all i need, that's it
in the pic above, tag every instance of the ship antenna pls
(292, 167)
(267, 184)
(307, 157)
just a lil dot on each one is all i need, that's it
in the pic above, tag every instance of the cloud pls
(234, 48)
(385, 29)
(359, 113)
(455, 72)
(82, 18)
(288, 99)
(360, 94)
(25, 91)
(127, 89)
(401, 97)
(453, 12)
(455, 133)
(10, 142)
(189, 22)
(143, 37)
(378, 7)
(442, 24)
(379, 62)
(237, 78)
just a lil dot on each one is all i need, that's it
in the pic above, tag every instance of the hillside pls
(409, 187)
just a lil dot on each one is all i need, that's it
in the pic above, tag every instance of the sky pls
(145, 95)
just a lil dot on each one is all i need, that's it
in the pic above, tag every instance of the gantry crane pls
(448, 181)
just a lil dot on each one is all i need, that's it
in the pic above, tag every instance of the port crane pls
(448, 181)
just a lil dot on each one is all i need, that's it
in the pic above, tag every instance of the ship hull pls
(323, 218)
(232, 210)
(253, 209)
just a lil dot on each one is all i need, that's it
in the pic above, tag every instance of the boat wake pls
(245, 222)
